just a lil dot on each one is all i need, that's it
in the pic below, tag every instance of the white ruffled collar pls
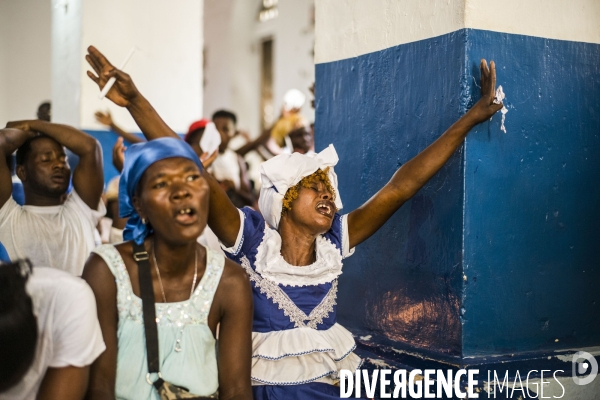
(271, 265)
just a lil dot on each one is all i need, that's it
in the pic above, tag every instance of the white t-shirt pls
(60, 237)
(68, 329)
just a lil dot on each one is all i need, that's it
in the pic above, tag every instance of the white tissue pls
(500, 96)
(211, 138)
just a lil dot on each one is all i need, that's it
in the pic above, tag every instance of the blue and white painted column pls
(166, 68)
(497, 256)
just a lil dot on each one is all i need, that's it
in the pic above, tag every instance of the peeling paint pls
(379, 363)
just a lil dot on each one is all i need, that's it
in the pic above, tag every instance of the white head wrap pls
(284, 171)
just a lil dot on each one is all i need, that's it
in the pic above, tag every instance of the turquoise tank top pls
(187, 347)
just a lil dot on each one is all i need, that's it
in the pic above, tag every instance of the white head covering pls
(293, 100)
(284, 171)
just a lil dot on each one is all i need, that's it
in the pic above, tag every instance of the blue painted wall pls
(529, 198)
(380, 110)
(532, 200)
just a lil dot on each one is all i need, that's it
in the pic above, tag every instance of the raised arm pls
(88, 176)
(10, 140)
(106, 119)
(259, 141)
(223, 216)
(412, 176)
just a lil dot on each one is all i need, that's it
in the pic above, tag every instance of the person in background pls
(290, 119)
(49, 333)
(112, 211)
(53, 228)
(301, 140)
(44, 111)
(229, 168)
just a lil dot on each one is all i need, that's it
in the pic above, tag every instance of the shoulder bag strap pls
(140, 255)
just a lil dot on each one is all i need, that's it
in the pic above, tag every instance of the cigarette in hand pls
(112, 80)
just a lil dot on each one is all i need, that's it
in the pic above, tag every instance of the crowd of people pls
(207, 285)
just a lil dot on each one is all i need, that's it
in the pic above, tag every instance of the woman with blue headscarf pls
(198, 294)
(293, 250)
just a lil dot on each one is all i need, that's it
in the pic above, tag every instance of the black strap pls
(140, 255)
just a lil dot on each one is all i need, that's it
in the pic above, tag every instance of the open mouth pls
(186, 216)
(325, 208)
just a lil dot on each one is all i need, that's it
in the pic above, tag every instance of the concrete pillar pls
(167, 68)
(497, 256)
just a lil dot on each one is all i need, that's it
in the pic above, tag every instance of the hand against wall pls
(486, 107)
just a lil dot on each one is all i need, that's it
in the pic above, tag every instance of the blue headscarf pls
(138, 158)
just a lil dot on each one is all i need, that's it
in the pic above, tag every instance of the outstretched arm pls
(106, 119)
(261, 140)
(223, 216)
(88, 176)
(10, 140)
(412, 176)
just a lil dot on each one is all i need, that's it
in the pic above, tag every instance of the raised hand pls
(104, 118)
(486, 107)
(207, 159)
(123, 91)
(118, 154)
(20, 125)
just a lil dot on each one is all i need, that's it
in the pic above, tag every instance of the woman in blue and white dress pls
(293, 252)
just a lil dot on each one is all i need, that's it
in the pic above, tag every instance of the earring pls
(144, 221)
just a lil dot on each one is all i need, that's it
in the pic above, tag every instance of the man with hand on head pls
(53, 228)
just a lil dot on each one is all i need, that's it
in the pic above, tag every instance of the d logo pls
(583, 364)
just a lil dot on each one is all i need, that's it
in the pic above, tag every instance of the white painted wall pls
(349, 29)
(168, 67)
(574, 20)
(232, 71)
(25, 32)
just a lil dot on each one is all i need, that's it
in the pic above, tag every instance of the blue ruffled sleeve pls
(251, 234)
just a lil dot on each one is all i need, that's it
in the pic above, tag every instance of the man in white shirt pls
(229, 168)
(55, 363)
(53, 228)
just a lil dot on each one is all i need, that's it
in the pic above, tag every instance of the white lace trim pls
(347, 251)
(279, 297)
(271, 265)
(336, 341)
(315, 367)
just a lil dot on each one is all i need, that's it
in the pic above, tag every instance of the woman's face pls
(173, 198)
(314, 208)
